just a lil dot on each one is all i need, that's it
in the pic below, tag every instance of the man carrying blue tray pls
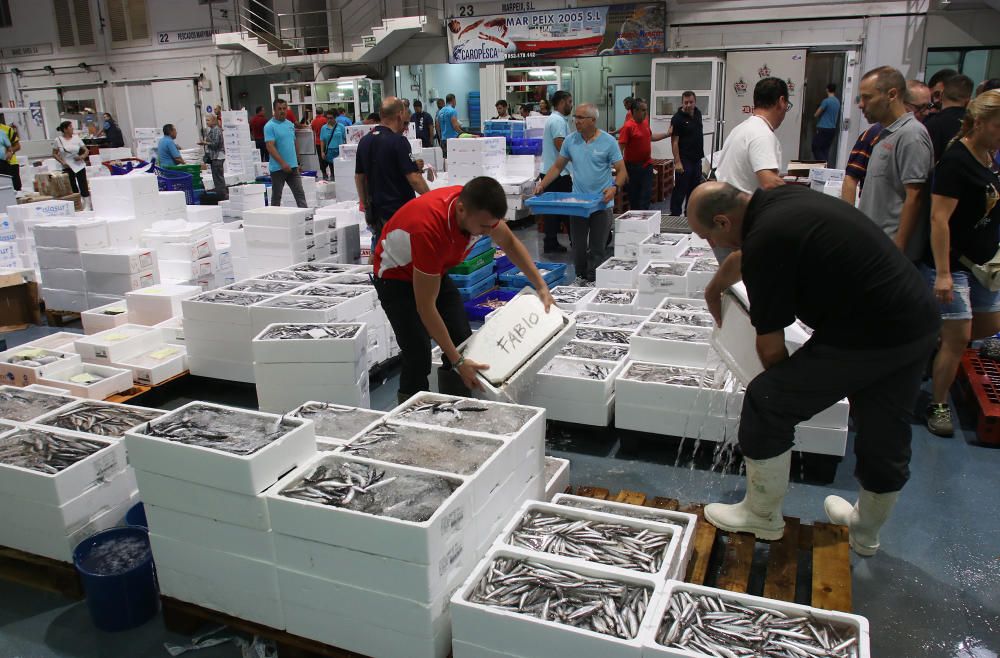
(594, 154)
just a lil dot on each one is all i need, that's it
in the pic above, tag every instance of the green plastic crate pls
(474, 264)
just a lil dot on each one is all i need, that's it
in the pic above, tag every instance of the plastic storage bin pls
(525, 146)
(557, 203)
(477, 312)
(480, 288)
(474, 263)
(118, 598)
(472, 278)
(552, 273)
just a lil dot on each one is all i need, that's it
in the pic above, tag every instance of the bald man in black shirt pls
(812, 257)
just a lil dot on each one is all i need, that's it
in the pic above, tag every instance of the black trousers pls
(262, 147)
(325, 168)
(12, 170)
(552, 223)
(639, 187)
(822, 141)
(400, 305)
(684, 185)
(78, 181)
(881, 385)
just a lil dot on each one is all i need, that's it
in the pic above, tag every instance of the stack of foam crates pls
(470, 158)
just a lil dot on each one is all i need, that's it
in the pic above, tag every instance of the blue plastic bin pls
(117, 599)
(480, 288)
(473, 278)
(484, 244)
(522, 146)
(476, 312)
(554, 203)
(551, 273)
(503, 264)
(137, 516)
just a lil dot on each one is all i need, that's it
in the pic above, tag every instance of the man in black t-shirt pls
(687, 143)
(386, 174)
(812, 257)
(423, 123)
(944, 125)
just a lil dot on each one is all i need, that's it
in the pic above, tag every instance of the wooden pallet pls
(60, 318)
(726, 560)
(40, 572)
(187, 618)
(130, 395)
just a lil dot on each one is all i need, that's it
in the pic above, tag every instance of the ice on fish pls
(327, 290)
(228, 430)
(696, 252)
(230, 297)
(673, 332)
(449, 452)
(311, 332)
(19, 405)
(697, 318)
(374, 490)
(708, 264)
(661, 374)
(265, 287)
(350, 279)
(562, 595)
(603, 335)
(335, 421)
(599, 370)
(609, 320)
(45, 452)
(305, 276)
(101, 418)
(466, 414)
(663, 239)
(116, 556)
(603, 351)
(682, 306)
(569, 294)
(305, 303)
(620, 264)
(667, 269)
(322, 268)
(622, 296)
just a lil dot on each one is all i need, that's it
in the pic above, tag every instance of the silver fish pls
(19, 405)
(102, 418)
(46, 452)
(449, 452)
(228, 430)
(307, 331)
(230, 297)
(265, 287)
(615, 296)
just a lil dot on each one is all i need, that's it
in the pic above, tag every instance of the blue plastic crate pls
(484, 244)
(477, 313)
(503, 264)
(522, 146)
(551, 273)
(555, 203)
(473, 278)
(486, 285)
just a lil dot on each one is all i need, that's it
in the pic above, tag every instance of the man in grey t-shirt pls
(895, 194)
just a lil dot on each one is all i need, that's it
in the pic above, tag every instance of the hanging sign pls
(184, 36)
(575, 32)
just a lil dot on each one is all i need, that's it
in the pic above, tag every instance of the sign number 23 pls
(466, 10)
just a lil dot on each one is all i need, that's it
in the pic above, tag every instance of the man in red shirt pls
(636, 140)
(424, 239)
(257, 123)
(317, 125)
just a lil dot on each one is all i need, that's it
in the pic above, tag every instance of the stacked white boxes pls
(134, 196)
(8, 243)
(378, 581)
(113, 272)
(245, 197)
(157, 304)
(218, 334)
(556, 476)
(297, 362)
(59, 245)
(617, 273)
(242, 154)
(125, 347)
(677, 333)
(469, 158)
(632, 228)
(662, 247)
(146, 141)
(278, 237)
(24, 217)
(185, 251)
(660, 280)
(26, 364)
(173, 204)
(48, 514)
(343, 172)
(308, 189)
(208, 520)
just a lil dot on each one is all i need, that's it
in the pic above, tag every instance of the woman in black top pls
(965, 222)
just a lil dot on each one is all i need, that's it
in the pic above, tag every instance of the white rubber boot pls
(864, 519)
(760, 510)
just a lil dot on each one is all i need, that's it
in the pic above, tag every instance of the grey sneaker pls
(939, 420)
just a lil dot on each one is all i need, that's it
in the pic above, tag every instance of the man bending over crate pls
(424, 239)
(875, 324)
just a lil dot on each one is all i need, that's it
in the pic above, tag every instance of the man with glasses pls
(594, 154)
(900, 164)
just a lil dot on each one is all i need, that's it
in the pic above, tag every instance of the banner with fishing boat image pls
(572, 32)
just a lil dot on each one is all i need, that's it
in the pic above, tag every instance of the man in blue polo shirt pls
(279, 137)
(167, 153)
(594, 154)
(385, 172)
(448, 123)
(826, 127)
(556, 129)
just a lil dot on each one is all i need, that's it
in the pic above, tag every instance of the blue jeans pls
(968, 295)
(684, 184)
(640, 186)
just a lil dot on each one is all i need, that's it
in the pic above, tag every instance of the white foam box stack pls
(246, 197)
(88, 380)
(556, 476)
(572, 298)
(617, 273)
(343, 173)
(290, 370)
(662, 247)
(185, 250)
(277, 237)
(621, 301)
(60, 243)
(172, 205)
(308, 190)
(480, 629)
(673, 339)
(150, 306)
(577, 390)
(635, 225)
(117, 271)
(218, 334)
(659, 280)
(104, 317)
(208, 521)
(26, 364)
(155, 366)
(702, 272)
(242, 154)
(135, 196)
(24, 217)
(469, 158)
(49, 514)
(61, 341)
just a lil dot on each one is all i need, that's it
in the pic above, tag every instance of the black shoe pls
(554, 249)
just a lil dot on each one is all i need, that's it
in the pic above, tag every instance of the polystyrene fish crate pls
(856, 624)
(17, 374)
(422, 542)
(690, 347)
(61, 341)
(89, 380)
(555, 379)
(247, 474)
(277, 311)
(556, 476)
(571, 298)
(610, 275)
(119, 343)
(625, 305)
(616, 321)
(670, 553)
(209, 533)
(157, 365)
(579, 412)
(231, 307)
(672, 396)
(687, 522)
(167, 492)
(104, 317)
(321, 348)
(532, 637)
(70, 482)
(645, 222)
(665, 277)
(663, 247)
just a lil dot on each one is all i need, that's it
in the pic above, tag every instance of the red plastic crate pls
(981, 380)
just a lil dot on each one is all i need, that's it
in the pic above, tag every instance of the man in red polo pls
(424, 239)
(636, 141)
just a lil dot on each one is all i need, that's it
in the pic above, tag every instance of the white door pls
(176, 102)
(744, 69)
(671, 77)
